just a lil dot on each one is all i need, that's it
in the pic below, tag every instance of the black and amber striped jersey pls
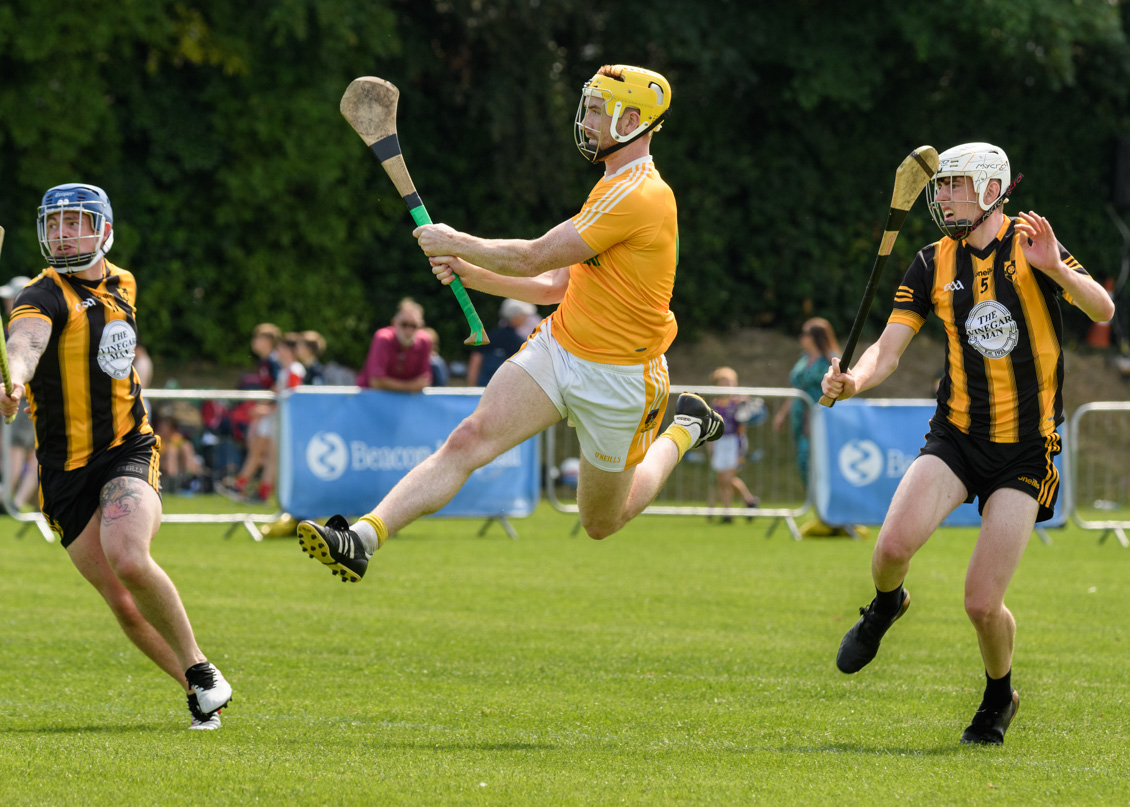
(85, 396)
(1003, 369)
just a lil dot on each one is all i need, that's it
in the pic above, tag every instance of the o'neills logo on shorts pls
(606, 458)
(1027, 480)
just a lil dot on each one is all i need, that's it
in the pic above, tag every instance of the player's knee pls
(890, 551)
(465, 440)
(469, 446)
(598, 529)
(981, 610)
(131, 568)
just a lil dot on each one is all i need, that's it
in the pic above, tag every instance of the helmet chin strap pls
(960, 234)
(603, 154)
(93, 258)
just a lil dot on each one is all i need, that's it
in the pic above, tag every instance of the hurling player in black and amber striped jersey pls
(994, 282)
(72, 337)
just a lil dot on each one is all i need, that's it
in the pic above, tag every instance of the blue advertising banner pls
(341, 450)
(861, 449)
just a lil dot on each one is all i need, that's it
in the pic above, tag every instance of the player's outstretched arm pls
(512, 257)
(544, 289)
(873, 367)
(27, 339)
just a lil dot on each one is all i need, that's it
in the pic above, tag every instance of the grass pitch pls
(678, 662)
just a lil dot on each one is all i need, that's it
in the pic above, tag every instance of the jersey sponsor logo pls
(991, 330)
(594, 262)
(89, 302)
(116, 348)
(955, 285)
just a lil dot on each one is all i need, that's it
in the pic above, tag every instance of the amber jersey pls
(1003, 368)
(85, 396)
(616, 308)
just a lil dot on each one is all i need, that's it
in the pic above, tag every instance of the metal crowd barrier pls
(1100, 468)
(770, 470)
(236, 520)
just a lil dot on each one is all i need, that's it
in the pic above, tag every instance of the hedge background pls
(241, 195)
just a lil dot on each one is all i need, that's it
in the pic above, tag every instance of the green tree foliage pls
(242, 196)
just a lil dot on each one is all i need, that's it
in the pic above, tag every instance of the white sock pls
(367, 535)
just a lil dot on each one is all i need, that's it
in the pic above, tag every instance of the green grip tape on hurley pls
(478, 333)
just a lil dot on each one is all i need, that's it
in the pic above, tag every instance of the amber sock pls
(681, 436)
(372, 532)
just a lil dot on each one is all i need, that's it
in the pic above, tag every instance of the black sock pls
(998, 691)
(888, 603)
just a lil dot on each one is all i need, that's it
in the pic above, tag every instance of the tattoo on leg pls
(120, 497)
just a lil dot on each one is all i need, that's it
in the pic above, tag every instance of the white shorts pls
(616, 409)
(725, 454)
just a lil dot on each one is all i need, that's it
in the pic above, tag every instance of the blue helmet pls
(88, 199)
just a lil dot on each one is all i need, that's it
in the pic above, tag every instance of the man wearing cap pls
(505, 340)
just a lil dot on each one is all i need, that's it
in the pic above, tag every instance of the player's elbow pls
(1105, 312)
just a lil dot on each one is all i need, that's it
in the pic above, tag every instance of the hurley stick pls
(910, 178)
(369, 104)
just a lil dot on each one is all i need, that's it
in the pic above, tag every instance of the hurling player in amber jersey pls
(993, 437)
(598, 360)
(71, 347)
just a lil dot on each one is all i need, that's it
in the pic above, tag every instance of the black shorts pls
(984, 467)
(70, 498)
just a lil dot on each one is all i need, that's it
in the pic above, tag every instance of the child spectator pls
(277, 370)
(181, 468)
(727, 453)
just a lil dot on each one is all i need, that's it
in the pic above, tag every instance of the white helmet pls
(981, 162)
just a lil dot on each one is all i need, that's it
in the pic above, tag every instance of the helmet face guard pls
(982, 163)
(85, 200)
(627, 88)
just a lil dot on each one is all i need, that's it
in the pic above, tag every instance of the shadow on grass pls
(470, 746)
(107, 728)
(855, 748)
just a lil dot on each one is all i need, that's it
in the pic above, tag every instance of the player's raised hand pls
(1041, 248)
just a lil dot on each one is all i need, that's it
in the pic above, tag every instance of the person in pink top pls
(400, 354)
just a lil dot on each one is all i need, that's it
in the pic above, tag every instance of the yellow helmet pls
(623, 87)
